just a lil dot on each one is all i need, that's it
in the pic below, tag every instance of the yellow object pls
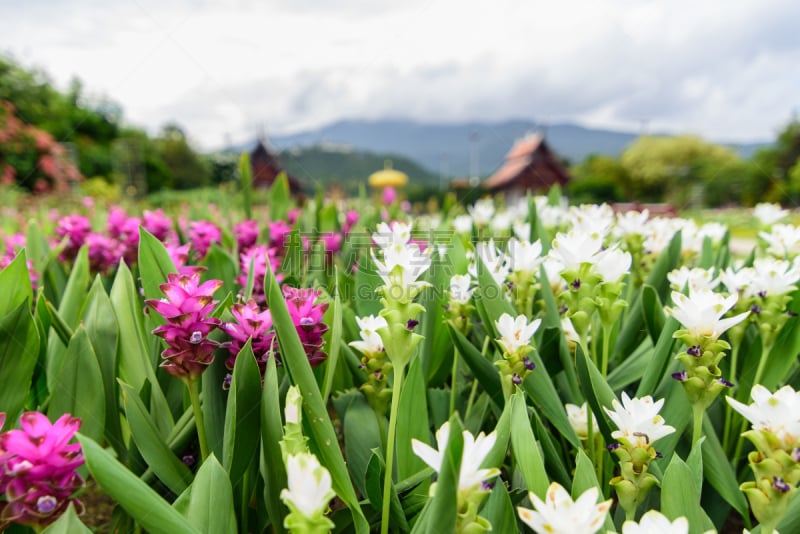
(388, 177)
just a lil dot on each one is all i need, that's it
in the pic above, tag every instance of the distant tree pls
(598, 178)
(187, 169)
(772, 175)
(676, 169)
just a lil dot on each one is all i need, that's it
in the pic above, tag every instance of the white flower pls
(769, 214)
(575, 248)
(591, 218)
(658, 234)
(524, 256)
(370, 342)
(411, 262)
(501, 221)
(495, 262)
(777, 413)
(482, 211)
(522, 230)
(559, 514)
(309, 482)
(771, 277)
(551, 216)
(462, 224)
(631, 223)
(569, 330)
(515, 333)
(654, 522)
(475, 450)
(691, 238)
(579, 419)
(713, 230)
(737, 281)
(294, 405)
(782, 240)
(694, 279)
(553, 267)
(612, 264)
(397, 235)
(638, 421)
(700, 313)
(460, 290)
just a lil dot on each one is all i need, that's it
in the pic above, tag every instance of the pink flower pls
(104, 252)
(278, 230)
(307, 319)
(186, 309)
(75, 227)
(251, 323)
(38, 469)
(350, 219)
(389, 195)
(293, 215)
(179, 254)
(159, 225)
(259, 255)
(246, 233)
(333, 242)
(202, 234)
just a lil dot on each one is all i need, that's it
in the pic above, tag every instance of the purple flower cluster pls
(15, 243)
(259, 255)
(246, 233)
(306, 314)
(256, 325)
(38, 469)
(202, 234)
(186, 308)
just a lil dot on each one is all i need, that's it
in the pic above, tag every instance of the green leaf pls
(103, 331)
(279, 198)
(585, 479)
(221, 266)
(139, 500)
(361, 436)
(660, 360)
(79, 388)
(68, 523)
(653, 312)
(598, 393)
(436, 348)
(166, 466)
(15, 284)
(208, 502)
(367, 301)
(135, 364)
(242, 415)
(272, 469)
(19, 352)
(334, 345)
(630, 335)
(486, 373)
(373, 483)
(526, 448)
(324, 437)
(155, 264)
(412, 420)
(246, 184)
(69, 309)
(499, 511)
(679, 496)
(718, 471)
(540, 388)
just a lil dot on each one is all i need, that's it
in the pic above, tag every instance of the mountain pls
(326, 165)
(461, 148)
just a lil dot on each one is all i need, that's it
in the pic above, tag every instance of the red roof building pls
(265, 167)
(529, 165)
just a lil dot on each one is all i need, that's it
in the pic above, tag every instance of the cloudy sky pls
(727, 70)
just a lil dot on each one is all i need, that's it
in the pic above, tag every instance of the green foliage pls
(599, 179)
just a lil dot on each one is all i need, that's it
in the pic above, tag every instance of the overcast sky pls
(727, 70)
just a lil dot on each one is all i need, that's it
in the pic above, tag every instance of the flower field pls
(353, 367)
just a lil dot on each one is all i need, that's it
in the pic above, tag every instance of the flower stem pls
(387, 481)
(194, 396)
(606, 350)
(698, 411)
(729, 420)
(454, 379)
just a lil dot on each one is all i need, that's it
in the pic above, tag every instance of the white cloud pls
(725, 70)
